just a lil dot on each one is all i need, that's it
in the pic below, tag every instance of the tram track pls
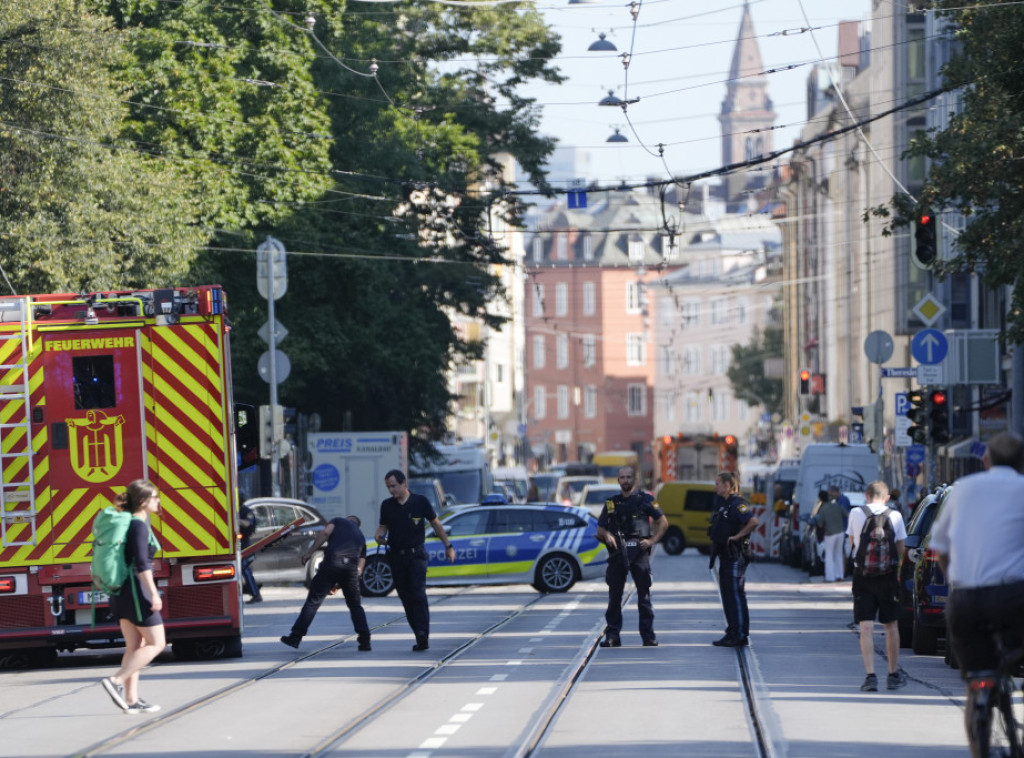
(325, 744)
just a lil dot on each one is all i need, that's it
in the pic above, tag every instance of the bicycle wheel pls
(1006, 736)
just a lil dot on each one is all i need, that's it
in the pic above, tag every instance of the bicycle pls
(994, 689)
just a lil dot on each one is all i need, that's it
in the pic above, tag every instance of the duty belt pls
(406, 550)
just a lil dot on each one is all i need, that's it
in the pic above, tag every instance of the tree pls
(746, 371)
(80, 208)
(975, 168)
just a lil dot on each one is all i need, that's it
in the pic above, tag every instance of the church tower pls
(747, 107)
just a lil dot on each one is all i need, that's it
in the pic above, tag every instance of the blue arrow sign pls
(929, 347)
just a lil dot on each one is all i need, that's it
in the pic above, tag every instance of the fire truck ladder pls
(16, 469)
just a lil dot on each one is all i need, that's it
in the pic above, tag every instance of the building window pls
(691, 359)
(538, 351)
(561, 299)
(540, 408)
(719, 359)
(720, 406)
(538, 250)
(562, 351)
(637, 399)
(636, 349)
(588, 247)
(636, 250)
(499, 373)
(589, 299)
(632, 297)
(589, 346)
(563, 401)
(668, 361)
(741, 310)
(670, 407)
(691, 405)
(719, 311)
(690, 313)
(538, 300)
(590, 401)
(562, 246)
(669, 247)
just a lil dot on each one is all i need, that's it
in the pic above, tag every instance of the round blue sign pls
(929, 347)
(326, 477)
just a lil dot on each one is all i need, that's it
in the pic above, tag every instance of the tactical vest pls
(629, 518)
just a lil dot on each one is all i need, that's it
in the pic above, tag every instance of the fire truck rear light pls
(213, 573)
(7, 585)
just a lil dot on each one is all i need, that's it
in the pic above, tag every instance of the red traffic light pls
(730, 440)
(805, 375)
(926, 219)
(938, 397)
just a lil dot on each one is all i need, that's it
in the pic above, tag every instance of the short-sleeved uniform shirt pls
(623, 512)
(731, 514)
(406, 522)
(346, 543)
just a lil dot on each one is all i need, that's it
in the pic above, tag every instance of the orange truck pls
(97, 390)
(694, 457)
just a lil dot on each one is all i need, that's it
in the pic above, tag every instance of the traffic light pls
(924, 235)
(938, 414)
(805, 382)
(918, 415)
(731, 451)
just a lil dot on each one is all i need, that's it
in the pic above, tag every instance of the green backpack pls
(109, 566)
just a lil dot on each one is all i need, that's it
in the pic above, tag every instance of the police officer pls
(403, 517)
(625, 527)
(731, 524)
(344, 559)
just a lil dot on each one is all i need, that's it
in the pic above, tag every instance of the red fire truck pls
(696, 457)
(97, 390)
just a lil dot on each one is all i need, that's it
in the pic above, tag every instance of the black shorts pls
(875, 596)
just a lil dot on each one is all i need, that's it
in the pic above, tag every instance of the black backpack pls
(876, 551)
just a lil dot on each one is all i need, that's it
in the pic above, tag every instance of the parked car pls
(570, 488)
(282, 561)
(515, 480)
(547, 545)
(594, 496)
(431, 489)
(917, 529)
(930, 592)
(545, 482)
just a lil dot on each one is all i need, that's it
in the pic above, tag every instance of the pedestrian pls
(137, 604)
(343, 563)
(625, 527)
(979, 538)
(247, 527)
(830, 518)
(876, 550)
(403, 517)
(731, 525)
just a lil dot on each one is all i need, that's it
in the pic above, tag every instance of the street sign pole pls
(271, 250)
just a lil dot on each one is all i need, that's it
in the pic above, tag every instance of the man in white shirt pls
(875, 588)
(979, 536)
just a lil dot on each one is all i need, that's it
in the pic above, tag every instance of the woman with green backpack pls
(137, 603)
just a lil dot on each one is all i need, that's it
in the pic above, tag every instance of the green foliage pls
(975, 165)
(746, 370)
(80, 208)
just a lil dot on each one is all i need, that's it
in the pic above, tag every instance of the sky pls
(681, 52)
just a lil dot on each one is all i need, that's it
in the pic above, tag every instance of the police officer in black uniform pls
(403, 517)
(731, 524)
(247, 527)
(625, 527)
(344, 559)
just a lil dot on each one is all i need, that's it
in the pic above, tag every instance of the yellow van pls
(687, 507)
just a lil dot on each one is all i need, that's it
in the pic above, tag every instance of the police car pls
(549, 546)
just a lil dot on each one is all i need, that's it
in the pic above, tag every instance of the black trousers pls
(615, 576)
(972, 614)
(410, 573)
(249, 579)
(732, 580)
(347, 578)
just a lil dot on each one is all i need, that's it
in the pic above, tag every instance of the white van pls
(851, 468)
(515, 479)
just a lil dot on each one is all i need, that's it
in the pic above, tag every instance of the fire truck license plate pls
(88, 596)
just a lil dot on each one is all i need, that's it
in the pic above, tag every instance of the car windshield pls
(464, 486)
(427, 489)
